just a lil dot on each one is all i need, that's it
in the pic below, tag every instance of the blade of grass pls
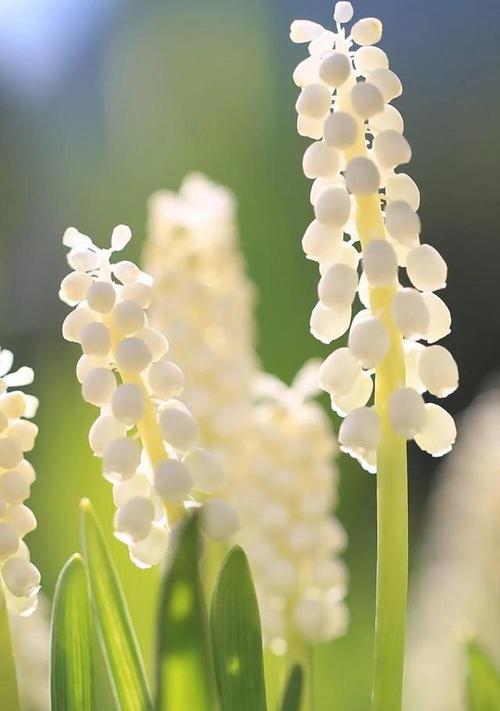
(121, 651)
(293, 691)
(483, 684)
(185, 669)
(236, 637)
(8, 680)
(72, 674)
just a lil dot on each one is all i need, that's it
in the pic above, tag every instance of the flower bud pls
(172, 480)
(391, 149)
(369, 341)
(439, 432)
(366, 99)
(129, 403)
(438, 371)
(426, 268)
(335, 69)
(219, 520)
(320, 161)
(337, 287)
(333, 207)
(367, 31)
(339, 372)
(314, 101)
(410, 313)
(362, 177)
(380, 263)
(406, 410)
(367, 59)
(360, 431)
(341, 130)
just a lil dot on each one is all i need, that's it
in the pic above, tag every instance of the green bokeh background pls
(162, 88)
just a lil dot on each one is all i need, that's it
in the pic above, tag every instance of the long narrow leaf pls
(119, 643)
(185, 669)
(8, 681)
(293, 691)
(72, 674)
(236, 637)
(483, 690)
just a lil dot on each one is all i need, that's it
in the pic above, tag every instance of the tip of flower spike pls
(305, 31)
(85, 504)
(74, 239)
(343, 12)
(120, 237)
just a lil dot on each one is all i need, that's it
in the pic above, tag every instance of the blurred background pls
(105, 101)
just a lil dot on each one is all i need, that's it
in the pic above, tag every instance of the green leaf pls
(72, 674)
(119, 643)
(483, 684)
(293, 690)
(8, 681)
(185, 669)
(236, 637)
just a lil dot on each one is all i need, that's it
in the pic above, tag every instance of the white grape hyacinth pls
(456, 585)
(346, 90)
(291, 537)
(146, 437)
(19, 578)
(204, 301)
(192, 251)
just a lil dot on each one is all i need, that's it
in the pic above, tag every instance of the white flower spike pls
(19, 578)
(143, 434)
(267, 435)
(360, 191)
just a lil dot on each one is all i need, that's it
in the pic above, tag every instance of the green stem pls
(8, 681)
(392, 573)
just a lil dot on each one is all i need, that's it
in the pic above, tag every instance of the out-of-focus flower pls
(31, 645)
(345, 106)
(288, 530)
(456, 586)
(19, 577)
(276, 444)
(204, 300)
(145, 436)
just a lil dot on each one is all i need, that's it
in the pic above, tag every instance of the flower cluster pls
(147, 438)
(204, 301)
(291, 538)
(278, 449)
(20, 578)
(344, 105)
(458, 562)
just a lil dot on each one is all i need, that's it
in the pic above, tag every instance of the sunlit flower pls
(456, 586)
(288, 530)
(204, 301)
(345, 106)
(143, 434)
(276, 444)
(20, 578)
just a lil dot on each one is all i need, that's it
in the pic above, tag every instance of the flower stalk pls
(377, 381)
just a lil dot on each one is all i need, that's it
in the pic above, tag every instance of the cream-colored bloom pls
(143, 433)
(456, 586)
(344, 105)
(20, 579)
(288, 531)
(277, 448)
